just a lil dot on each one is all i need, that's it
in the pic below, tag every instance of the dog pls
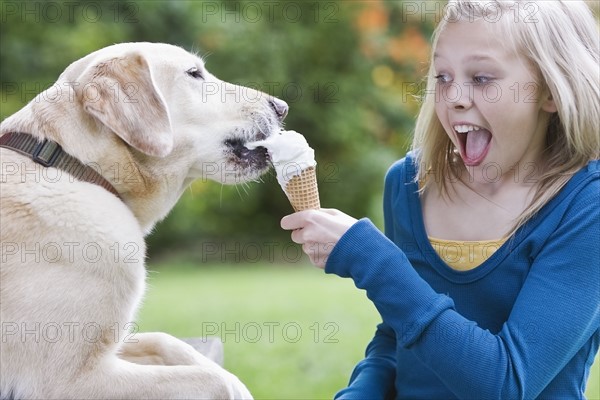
(144, 120)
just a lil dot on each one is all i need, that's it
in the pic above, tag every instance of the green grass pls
(289, 332)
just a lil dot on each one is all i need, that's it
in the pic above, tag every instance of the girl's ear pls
(548, 103)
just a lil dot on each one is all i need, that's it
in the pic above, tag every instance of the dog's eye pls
(194, 73)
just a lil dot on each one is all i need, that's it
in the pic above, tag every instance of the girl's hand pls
(318, 231)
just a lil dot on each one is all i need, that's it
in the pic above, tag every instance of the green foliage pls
(324, 58)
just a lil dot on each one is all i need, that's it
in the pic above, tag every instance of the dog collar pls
(50, 154)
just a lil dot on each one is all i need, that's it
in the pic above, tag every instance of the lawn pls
(289, 332)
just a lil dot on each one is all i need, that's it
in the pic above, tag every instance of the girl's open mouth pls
(474, 143)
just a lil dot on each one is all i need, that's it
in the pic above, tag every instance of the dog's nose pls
(281, 107)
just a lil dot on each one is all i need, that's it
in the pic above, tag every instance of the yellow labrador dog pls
(88, 167)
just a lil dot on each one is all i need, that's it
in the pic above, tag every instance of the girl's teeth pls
(466, 128)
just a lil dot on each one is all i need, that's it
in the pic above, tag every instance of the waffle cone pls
(302, 191)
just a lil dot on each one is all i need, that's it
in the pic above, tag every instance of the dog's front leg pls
(157, 348)
(114, 378)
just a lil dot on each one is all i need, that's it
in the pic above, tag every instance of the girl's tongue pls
(476, 146)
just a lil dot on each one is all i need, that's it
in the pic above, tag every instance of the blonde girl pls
(488, 276)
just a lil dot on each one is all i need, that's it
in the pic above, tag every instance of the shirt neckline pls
(512, 242)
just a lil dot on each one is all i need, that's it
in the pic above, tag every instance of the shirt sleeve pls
(373, 377)
(555, 313)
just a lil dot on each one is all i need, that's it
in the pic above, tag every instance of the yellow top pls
(465, 255)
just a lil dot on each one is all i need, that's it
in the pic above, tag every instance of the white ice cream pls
(290, 154)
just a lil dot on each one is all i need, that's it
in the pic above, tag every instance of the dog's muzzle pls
(251, 163)
(257, 159)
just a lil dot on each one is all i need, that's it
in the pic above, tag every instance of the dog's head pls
(163, 103)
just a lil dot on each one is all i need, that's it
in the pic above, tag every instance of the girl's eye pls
(194, 73)
(481, 80)
(442, 78)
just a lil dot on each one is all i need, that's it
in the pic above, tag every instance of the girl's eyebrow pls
(471, 58)
(480, 57)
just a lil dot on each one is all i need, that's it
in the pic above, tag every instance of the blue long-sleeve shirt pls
(525, 324)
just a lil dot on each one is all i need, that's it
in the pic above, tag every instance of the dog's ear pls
(121, 94)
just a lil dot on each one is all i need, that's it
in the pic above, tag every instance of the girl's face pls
(489, 103)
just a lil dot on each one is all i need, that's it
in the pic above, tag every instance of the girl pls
(488, 281)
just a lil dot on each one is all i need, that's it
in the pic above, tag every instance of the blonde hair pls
(560, 41)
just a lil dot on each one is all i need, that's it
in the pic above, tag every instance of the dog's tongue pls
(477, 142)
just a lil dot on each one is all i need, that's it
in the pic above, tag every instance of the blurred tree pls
(349, 71)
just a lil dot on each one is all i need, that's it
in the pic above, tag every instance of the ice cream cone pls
(302, 190)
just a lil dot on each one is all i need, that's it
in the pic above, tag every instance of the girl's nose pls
(458, 97)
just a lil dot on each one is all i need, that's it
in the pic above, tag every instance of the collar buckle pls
(46, 153)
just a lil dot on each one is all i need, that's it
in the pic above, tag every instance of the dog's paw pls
(238, 390)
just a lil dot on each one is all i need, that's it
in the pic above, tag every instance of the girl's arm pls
(556, 312)
(373, 377)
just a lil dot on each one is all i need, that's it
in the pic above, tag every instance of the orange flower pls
(374, 17)
(410, 47)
